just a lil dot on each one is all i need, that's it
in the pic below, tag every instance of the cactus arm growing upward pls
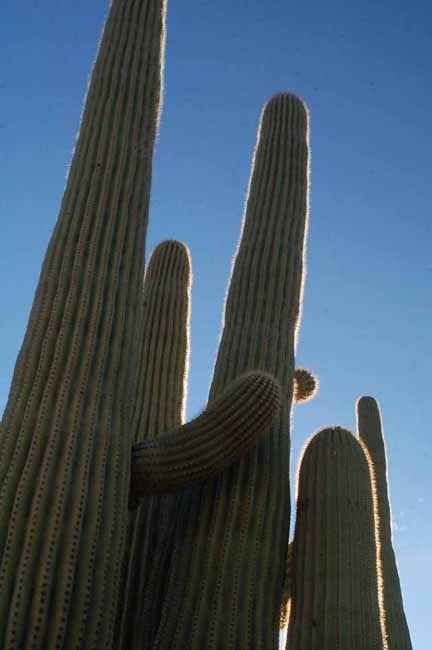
(371, 434)
(162, 375)
(334, 588)
(228, 593)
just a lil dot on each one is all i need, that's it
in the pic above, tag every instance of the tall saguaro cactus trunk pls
(371, 434)
(228, 562)
(66, 433)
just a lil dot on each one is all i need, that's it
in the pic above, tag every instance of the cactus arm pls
(65, 438)
(305, 385)
(334, 598)
(371, 434)
(202, 448)
(162, 364)
(228, 593)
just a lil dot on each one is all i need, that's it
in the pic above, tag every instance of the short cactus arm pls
(225, 432)
(305, 385)
(371, 434)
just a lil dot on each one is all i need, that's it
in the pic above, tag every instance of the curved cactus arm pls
(228, 592)
(305, 385)
(202, 448)
(371, 434)
(335, 599)
(163, 365)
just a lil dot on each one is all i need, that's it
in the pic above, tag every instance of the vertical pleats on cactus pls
(66, 432)
(159, 407)
(227, 592)
(123, 527)
(334, 571)
(371, 434)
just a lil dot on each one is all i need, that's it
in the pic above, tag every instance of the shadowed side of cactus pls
(334, 577)
(66, 432)
(227, 571)
(371, 434)
(159, 407)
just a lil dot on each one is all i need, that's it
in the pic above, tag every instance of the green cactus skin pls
(305, 385)
(227, 592)
(370, 431)
(334, 589)
(66, 436)
(286, 593)
(202, 448)
(160, 407)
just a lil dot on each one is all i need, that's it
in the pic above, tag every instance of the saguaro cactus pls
(67, 431)
(334, 579)
(227, 592)
(92, 549)
(65, 459)
(371, 434)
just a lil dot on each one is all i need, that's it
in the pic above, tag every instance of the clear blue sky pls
(364, 70)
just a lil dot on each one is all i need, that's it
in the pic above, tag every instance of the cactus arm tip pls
(200, 449)
(306, 385)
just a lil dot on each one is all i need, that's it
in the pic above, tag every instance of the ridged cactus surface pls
(371, 434)
(159, 408)
(66, 435)
(226, 593)
(334, 568)
(94, 554)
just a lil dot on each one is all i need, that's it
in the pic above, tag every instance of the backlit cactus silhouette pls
(68, 428)
(227, 593)
(122, 526)
(334, 581)
(370, 432)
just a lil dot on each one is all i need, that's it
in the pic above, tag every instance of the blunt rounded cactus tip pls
(306, 385)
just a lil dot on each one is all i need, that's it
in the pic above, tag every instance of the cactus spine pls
(334, 588)
(371, 434)
(227, 593)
